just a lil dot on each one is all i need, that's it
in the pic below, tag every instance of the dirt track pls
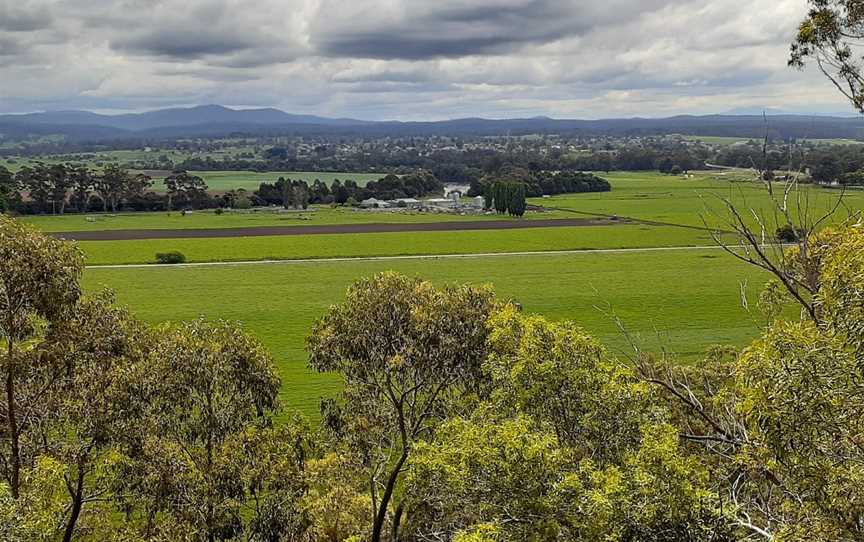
(129, 235)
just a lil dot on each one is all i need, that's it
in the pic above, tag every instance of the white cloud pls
(407, 59)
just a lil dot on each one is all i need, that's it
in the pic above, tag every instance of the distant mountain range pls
(216, 120)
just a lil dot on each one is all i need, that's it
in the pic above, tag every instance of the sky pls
(409, 59)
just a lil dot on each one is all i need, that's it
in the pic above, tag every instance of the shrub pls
(219, 211)
(170, 257)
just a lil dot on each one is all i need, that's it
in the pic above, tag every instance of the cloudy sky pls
(408, 59)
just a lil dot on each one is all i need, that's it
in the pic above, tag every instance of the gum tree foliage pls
(38, 285)
(779, 424)
(95, 360)
(408, 352)
(10, 197)
(563, 379)
(47, 184)
(184, 188)
(569, 446)
(208, 463)
(116, 183)
(337, 501)
(104, 418)
(831, 36)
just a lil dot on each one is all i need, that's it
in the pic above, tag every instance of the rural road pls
(130, 235)
(412, 257)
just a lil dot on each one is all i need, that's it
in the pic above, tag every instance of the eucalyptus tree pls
(39, 283)
(407, 352)
(9, 195)
(94, 360)
(208, 459)
(832, 35)
(183, 186)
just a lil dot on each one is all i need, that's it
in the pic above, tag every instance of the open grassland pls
(723, 141)
(223, 181)
(315, 216)
(833, 141)
(715, 140)
(683, 301)
(394, 244)
(688, 200)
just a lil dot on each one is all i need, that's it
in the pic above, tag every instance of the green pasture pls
(681, 301)
(316, 215)
(223, 181)
(716, 140)
(833, 141)
(225, 249)
(689, 200)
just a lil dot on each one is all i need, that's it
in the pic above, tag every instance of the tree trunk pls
(77, 502)
(378, 526)
(397, 521)
(15, 454)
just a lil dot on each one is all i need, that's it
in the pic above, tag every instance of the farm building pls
(374, 203)
(406, 202)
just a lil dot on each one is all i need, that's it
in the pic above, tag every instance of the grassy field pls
(683, 301)
(835, 141)
(394, 244)
(315, 216)
(716, 140)
(723, 141)
(223, 181)
(687, 200)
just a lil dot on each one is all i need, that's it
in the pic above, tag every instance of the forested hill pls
(214, 121)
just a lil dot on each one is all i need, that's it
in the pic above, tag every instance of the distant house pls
(478, 202)
(374, 203)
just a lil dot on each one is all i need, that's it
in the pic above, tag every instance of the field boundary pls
(345, 259)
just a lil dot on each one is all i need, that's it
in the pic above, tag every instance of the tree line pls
(62, 188)
(299, 194)
(505, 198)
(543, 183)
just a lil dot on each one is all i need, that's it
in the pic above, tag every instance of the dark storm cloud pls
(452, 32)
(448, 29)
(23, 18)
(9, 47)
(182, 43)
